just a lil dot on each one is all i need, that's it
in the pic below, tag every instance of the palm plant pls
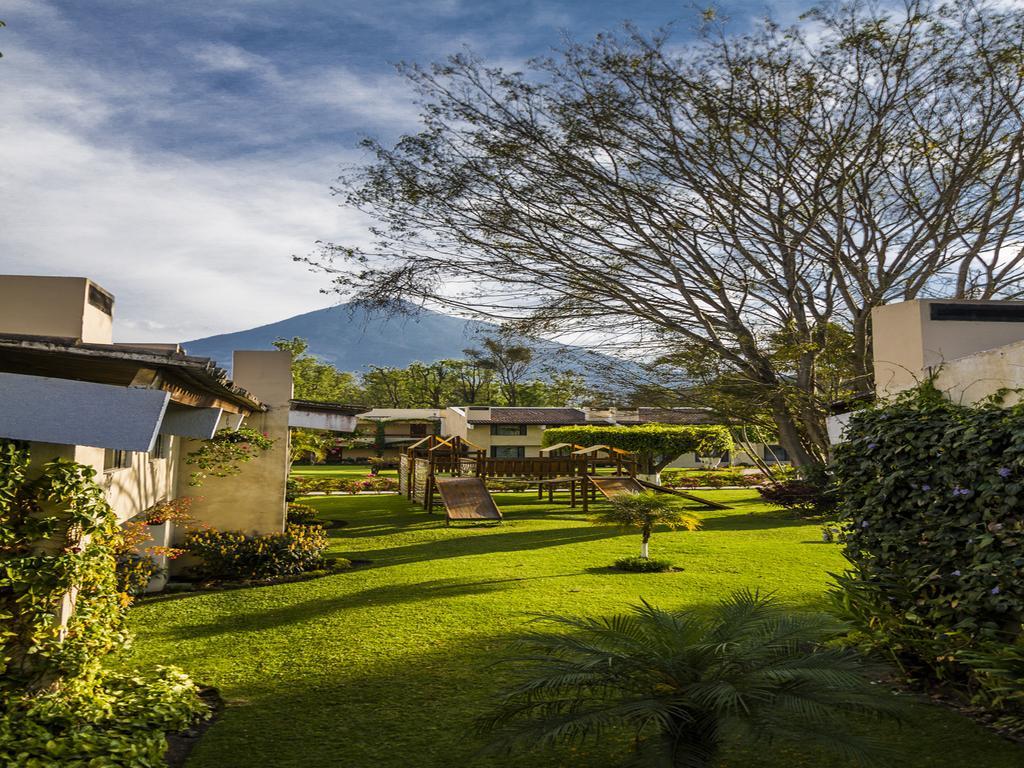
(680, 686)
(644, 511)
(308, 445)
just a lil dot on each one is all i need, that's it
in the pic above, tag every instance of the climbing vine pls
(224, 453)
(56, 535)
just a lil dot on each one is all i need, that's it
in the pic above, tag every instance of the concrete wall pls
(129, 490)
(137, 488)
(253, 500)
(53, 306)
(907, 342)
(455, 424)
(976, 377)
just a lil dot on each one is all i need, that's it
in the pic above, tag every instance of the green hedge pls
(655, 444)
(930, 497)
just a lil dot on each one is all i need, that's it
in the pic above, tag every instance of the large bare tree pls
(717, 196)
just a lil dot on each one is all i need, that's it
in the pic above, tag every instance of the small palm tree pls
(680, 686)
(311, 446)
(644, 511)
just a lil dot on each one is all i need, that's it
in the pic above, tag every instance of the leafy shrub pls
(806, 492)
(679, 478)
(177, 511)
(59, 704)
(655, 444)
(136, 564)
(929, 497)
(377, 484)
(636, 564)
(134, 572)
(117, 723)
(232, 556)
(302, 514)
(62, 503)
(797, 496)
(679, 687)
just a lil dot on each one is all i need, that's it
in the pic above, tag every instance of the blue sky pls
(180, 152)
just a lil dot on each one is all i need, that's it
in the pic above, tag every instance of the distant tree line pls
(497, 372)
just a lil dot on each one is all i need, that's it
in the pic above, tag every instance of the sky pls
(179, 153)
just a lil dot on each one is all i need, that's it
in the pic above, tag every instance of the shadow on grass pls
(262, 618)
(751, 521)
(495, 539)
(420, 709)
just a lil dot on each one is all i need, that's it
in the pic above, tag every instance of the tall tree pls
(473, 384)
(509, 361)
(316, 380)
(386, 387)
(783, 181)
(430, 385)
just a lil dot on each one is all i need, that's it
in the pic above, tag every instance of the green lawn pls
(387, 665)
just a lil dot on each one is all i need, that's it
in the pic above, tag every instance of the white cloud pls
(189, 248)
(224, 57)
(377, 99)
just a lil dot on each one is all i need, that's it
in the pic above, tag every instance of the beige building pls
(973, 348)
(384, 432)
(133, 412)
(505, 432)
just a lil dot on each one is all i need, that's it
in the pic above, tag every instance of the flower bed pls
(305, 485)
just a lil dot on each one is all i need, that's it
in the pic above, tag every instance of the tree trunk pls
(789, 435)
(644, 551)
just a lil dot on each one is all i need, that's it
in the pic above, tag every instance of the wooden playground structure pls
(458, 471)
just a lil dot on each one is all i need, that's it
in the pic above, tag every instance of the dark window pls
(100, 299)
(508, 429)
(417, 430)
(508, 452)
(1003, 312)
(775, 453)
(116, 459)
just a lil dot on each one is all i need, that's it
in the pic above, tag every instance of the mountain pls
(351, 339)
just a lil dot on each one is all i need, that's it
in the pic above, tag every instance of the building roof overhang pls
(191, 381)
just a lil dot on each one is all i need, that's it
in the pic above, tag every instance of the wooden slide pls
(613, 486)
(466, 498)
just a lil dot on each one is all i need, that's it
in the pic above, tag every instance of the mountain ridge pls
(352, 338)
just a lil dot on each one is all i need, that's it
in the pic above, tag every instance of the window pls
(100, 299)
(978, 313)
(508, 452)
(116, 459)
(417, 430)
(161, 448)
(775, 453)
(508, 429)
